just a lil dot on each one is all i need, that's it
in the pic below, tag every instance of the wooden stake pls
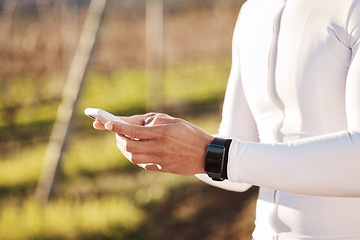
(154, 54)
(66, 109)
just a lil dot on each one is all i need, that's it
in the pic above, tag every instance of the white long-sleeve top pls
(292, 108)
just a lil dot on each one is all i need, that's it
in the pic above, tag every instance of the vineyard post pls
(76, 76)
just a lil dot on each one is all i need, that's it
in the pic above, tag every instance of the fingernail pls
(149, 121)
(109, 126)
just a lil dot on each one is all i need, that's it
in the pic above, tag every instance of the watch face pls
(214, 159)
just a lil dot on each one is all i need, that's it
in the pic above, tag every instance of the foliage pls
(100, 195)
(66, 219)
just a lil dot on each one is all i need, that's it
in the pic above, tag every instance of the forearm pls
(325, 166)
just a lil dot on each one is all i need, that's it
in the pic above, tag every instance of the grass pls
(104, 155)
(125, 90)
(66, 219)
(100, 194)
(22, 167)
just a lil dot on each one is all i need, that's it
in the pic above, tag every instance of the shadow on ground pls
(201, 212)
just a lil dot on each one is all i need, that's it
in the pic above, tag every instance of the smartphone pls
(102, 115)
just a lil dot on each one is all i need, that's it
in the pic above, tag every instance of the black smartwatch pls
(217, 158)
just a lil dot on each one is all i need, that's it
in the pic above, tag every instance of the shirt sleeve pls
(327, 165)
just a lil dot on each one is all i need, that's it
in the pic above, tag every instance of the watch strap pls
(226, 144)
(219, 141)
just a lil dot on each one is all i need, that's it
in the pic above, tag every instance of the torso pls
(294, 58)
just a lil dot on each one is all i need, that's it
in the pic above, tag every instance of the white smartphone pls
(102, 115)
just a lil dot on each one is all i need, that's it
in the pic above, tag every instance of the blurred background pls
(150, 55)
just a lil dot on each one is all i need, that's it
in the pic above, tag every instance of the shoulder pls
(343, 17)
(352, 22)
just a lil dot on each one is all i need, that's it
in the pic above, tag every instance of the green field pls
(100, 195)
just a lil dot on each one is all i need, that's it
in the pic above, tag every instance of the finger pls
(98, 125)
(159, 119)
(151, 117)
(142, 165)
(153, 167)
(126, 154)
(144, 159)
(139, 159)
(138, 152)
(138, 119)
(146, 150)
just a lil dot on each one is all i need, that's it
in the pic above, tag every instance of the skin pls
(159, 142)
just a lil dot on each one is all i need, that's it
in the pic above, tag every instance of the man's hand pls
(159, 142)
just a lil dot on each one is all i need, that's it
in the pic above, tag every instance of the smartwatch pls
(216, 159)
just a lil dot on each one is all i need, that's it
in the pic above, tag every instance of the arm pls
(237, 122)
